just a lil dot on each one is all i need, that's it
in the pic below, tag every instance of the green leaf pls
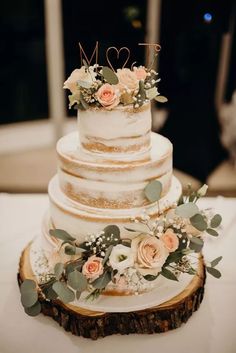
(109, 75)
(61, 234)
(50, 293)
(186, 210)
(111, 233)
(130, 230)
(196, 244)
(214, 272)
(29, 298)
(161, 99)
(28, 285)
(73, 250)
(212, 232)
(65, 294)
(102, 281)
(84, 84)
(168, 274)
(216, 261)
(216, 221)
(107, 254)
(75, 265)
(153, 190)
(150, 277)
(58, 269)
(77, 280)
(142, 91)
(33, 310)
(174, 257)
(198, 222)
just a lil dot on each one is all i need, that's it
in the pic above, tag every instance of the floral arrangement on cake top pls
(166, 246)
(103, 87)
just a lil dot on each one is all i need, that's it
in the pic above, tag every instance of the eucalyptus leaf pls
(216, 261)
(212, 232)
(187, 210)
(150, 277)
(174, 257)
(130, 230)
(213, 271)
(29, 298)
(102, 281)
(196, 244)
(109, 75)
(168, 274)
(107, 254)
(65, 294)
(111, 233)
(198, 222)
(216, 221)
(28, 285)
(49, 293)
(61, 234)
(75, 265)
(84, 84)
(33, 310)
(153, 190)
(58, 270)
(161, 99)
(77, 280)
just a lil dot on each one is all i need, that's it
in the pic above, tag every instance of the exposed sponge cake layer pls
(80, 220)
(94, 181)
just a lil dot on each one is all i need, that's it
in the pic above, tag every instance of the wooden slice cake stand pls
(94, 324)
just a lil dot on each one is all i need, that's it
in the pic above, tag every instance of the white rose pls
(82, 74)
(121, 257)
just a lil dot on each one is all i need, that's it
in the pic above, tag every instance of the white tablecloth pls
(210, 330)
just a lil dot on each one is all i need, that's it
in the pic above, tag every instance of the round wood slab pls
(93, 324)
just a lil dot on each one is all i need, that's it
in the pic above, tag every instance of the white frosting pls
(80, 220)
(114, 128)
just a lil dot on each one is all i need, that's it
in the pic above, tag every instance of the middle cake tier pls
(99, 180)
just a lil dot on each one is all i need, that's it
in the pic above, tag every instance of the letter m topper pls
(83, 56)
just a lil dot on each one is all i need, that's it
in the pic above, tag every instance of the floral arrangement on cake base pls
(164, 248)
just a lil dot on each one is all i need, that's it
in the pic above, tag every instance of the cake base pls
(94, 324)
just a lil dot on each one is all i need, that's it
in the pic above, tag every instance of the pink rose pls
(93, 267)
(127, 80)
(140, 73)
(150, 254)
(170, 240)
(107, 96)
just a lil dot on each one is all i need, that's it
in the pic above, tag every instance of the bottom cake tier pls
(120, 314)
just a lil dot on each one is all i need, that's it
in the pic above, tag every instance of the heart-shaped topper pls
(118, 51)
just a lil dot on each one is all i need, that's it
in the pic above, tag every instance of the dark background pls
(189, 62)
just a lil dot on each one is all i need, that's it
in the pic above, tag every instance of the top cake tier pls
(121, 130)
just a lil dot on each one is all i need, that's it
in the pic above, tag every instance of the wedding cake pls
(118, 224)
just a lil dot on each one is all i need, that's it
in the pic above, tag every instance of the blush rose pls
(170, 240)
(93, 268)
(150, 254)
(140, 73)
(107, 96)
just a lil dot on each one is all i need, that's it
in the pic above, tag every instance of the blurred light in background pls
(207, 17)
